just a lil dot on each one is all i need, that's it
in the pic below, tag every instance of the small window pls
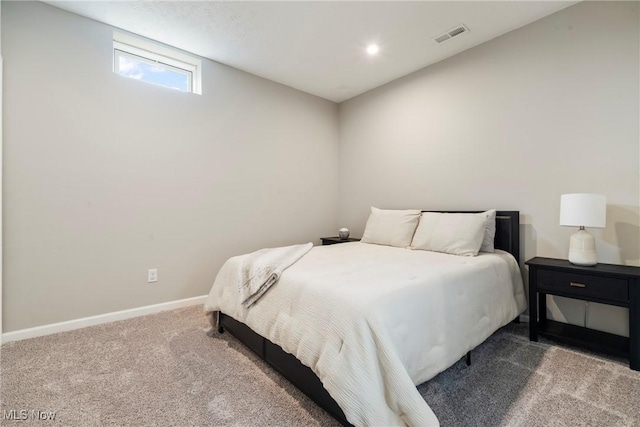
(154, 63)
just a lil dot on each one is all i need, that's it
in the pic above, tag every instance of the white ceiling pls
(318, 47)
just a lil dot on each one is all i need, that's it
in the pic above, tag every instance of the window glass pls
(153, 72)
(152, 62)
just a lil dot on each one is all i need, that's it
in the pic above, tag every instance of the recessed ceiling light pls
(372, 49)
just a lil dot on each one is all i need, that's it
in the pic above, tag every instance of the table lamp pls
(583, 210)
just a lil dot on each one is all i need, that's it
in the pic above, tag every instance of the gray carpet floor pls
(163, 370)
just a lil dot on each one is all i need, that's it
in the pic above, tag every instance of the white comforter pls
(374, 321)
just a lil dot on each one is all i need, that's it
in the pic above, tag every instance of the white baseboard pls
(524, 318)
(70, 325)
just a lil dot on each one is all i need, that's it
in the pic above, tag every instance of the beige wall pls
(106, 177)
(548, 109)
(1, 133)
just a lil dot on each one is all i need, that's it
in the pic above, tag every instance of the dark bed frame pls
(507, 239)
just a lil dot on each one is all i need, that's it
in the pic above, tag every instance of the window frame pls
(158, 55)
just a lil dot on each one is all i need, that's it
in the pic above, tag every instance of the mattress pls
(374, 321)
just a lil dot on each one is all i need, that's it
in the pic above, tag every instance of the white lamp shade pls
(583, 210)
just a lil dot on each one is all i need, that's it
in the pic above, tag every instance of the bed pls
(372, 339)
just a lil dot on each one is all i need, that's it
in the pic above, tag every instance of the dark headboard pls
(507, 230)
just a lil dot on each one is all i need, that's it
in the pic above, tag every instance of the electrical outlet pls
(152, 275)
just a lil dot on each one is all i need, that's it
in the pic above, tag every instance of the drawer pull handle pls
(578, 285)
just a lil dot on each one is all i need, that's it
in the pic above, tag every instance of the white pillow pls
(488, 242)
(391, 227)
(451, 233)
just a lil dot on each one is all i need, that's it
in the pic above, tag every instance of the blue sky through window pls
(139, 70)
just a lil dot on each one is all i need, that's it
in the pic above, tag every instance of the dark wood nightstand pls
(335, 240)
(603, 283)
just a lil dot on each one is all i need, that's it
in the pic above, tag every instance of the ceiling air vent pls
(460, 29)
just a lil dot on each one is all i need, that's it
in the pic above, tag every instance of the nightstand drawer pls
(606, 288)
(336, 240)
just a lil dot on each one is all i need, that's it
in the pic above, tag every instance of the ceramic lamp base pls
(582, 248)
(343, 233)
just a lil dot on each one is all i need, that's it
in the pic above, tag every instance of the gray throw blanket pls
(262, 269)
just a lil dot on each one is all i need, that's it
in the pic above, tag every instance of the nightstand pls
(610, 284)
(335, 240)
